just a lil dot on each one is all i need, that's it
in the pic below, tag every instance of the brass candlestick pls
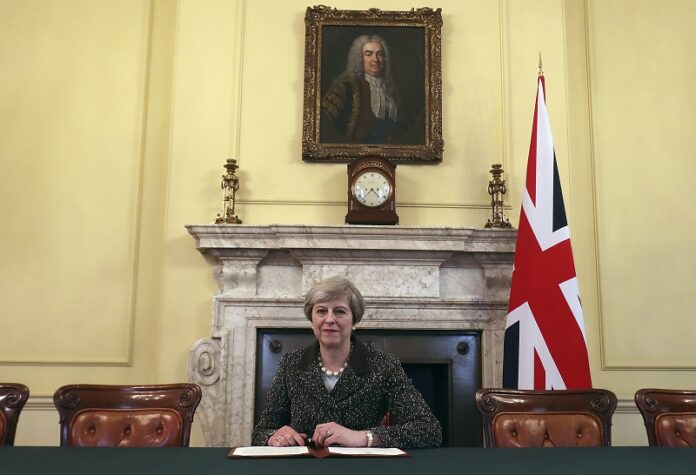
(229, 185)
(497, 188)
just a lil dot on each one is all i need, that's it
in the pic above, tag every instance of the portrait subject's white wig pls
(354, 64)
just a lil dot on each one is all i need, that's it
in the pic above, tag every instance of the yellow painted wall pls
(117, 117)
(646, 174)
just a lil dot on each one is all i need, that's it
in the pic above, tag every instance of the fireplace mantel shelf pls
(220, 239)
(413, 278)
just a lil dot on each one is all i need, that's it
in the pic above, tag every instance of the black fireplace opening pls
(432, 380)
(444, 365)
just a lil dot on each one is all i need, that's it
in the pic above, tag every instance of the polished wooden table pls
(461, 461)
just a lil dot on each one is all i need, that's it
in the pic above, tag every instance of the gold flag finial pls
(541, 67)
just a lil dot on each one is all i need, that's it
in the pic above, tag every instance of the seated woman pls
(337, 390)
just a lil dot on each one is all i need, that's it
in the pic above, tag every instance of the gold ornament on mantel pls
(497, 188)
(229, 185)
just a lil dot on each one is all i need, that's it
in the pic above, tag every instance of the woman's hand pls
(331, 433)
(286, 436)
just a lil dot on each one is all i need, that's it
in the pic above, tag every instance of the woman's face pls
(332, 321)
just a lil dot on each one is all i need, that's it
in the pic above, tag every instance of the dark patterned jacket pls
(373, 383)
(347, 115)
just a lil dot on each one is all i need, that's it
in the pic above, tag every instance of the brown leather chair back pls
(13, 396)
(387, 420)
(522, 418)
(126, 416)
(669, 415)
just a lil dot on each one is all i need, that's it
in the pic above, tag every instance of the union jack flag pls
(545, 343)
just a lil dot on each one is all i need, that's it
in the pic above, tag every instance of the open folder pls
(320, 452)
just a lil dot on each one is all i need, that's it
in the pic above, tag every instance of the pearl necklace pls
(333, 374)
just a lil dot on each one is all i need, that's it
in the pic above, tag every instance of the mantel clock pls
(371, 191)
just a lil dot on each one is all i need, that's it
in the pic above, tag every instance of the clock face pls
(371, 189)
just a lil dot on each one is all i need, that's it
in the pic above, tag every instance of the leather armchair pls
(126, 416)
(13, 397)
(669, 415)
(523, 418)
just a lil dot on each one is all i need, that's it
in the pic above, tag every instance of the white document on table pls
(381, 452)
(269, 451)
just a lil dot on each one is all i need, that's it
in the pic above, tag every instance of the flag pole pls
(541, 67)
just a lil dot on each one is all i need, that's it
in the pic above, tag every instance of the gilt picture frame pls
(373, 85)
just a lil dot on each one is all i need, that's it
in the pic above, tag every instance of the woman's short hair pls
(331, 288)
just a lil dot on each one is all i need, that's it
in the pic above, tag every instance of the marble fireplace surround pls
(412, 278)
